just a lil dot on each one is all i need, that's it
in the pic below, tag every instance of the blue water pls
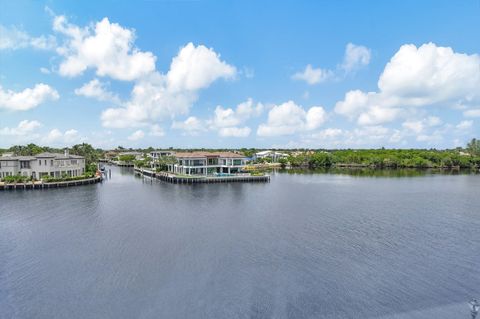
(301, 246)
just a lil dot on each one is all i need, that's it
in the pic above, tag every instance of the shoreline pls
(181, 179)
(42, 185)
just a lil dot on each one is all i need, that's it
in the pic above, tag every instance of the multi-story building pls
(155, 155)
(43, 164)
(207, 163)
(274, 156)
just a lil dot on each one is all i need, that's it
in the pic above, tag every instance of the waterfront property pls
(274, 156)
(156, 155)
(207, 163)
(137, 155)
(41, 165)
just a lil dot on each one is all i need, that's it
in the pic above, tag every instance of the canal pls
(316, 245)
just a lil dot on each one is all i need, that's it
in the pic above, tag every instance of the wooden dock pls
(175, 179)
(41, 185)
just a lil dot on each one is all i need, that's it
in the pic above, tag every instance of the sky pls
(231, 74)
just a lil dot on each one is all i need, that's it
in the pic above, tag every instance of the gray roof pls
(17, 158)
(56, 156)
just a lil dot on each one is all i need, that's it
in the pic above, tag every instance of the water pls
(301, 246)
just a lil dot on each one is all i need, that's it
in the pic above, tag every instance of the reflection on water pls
(372, 172)
(305, 245)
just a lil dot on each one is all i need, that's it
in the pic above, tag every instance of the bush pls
(16, 179)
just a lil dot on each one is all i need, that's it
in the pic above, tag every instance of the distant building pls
(272, 155)
(155, 155)
(138, 155)
(43, 164)
(207, 163)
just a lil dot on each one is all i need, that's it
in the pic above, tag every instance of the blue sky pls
(316, 74)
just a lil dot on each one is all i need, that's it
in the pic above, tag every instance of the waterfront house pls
(274, 156)
(156, 155)
(43, 164)
(207, 163)
(138, 155)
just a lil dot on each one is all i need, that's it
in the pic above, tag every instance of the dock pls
(175, 179)
(41, 185)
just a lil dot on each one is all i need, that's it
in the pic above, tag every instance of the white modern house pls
(207, 163)
(155, 155)
(273, 155)
(43, 164)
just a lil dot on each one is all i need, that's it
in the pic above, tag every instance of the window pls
(45, 162)
(39, 162)
(51, 162)
(24, 164)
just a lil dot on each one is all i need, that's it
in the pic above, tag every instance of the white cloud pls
(28, 98)
(312, 75)
(289, 118)
(227, 117)
(137, 135)
(315, 117)
(23, 128)
(227, 120)
(45, 70)
(12, 39)
(234, 131)
(106, 47)
(191, 126)
(249, 72)
(416, 77)
(156, 130)
(195, 68)
(377, 115)
(355, 57)
(53, 136)
(464, 125)
(472, 113)
(159, 96)
(97, 89)
(71, 136)
(57, 137)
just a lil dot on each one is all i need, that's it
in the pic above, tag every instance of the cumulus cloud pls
(28, 98)
(157, 130)
(289, 118)
(312, 75)
(464, 125)
(98, 90)
(23, 128)
(472, 113)
(13, 38)
(191, 126)
(195, 68)
(227, 120)
(45, 70)
(414, 78)
(234, 131)
(57, 137)
(137, 135)
(419, 126)
(106, 47)
(160, 96)
(355, 56)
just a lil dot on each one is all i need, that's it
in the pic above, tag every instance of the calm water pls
(301, 246)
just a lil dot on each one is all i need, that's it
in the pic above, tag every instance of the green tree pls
(474, 147)
(86, 150)
(126, 158)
